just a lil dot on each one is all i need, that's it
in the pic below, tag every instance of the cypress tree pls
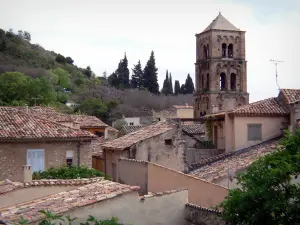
(165, 88)
(136, 77)
(182, 89)
(150, 75)
(177, 87)
(170, 89)
(2, 46)
(125, 72)
(189, 85)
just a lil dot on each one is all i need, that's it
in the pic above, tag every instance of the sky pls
(97, 33)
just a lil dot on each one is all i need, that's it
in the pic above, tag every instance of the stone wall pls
(14, 155)
(196, 215)
(195, 155)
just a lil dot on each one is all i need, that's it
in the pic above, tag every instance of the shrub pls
(67, 172)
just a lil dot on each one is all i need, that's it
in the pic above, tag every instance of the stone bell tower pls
(221, 68)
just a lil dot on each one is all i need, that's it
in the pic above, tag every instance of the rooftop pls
(183, 106)
(266, 107)
(97, 146)
(127, 129)
(291, 95)
(221, 23)
(193, 128)
(86, 121)
(17, 125)
(66, 201)
(144, 133)
(237, 161)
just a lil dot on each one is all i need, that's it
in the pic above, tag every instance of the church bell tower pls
(221, 68)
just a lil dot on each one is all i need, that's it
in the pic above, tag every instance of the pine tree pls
(182, 89)
(2, 46)
(165, 89)
(136, 77)
(189, 85)
(177, 87)
(170, 89)
(150, 75)
(123, 73)
(113, 80)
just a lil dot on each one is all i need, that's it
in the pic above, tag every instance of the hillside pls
(32, 75)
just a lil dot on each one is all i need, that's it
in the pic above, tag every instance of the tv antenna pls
(276, 62)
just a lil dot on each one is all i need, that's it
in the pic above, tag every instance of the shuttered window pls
(254, 132)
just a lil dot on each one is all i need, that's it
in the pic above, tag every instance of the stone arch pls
(233, 81)
(230, 51)
(223, 81)
(224, 47)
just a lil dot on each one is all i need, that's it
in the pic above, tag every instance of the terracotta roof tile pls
(238, 161)
(193, 128)
(86, 121)
(66, 201)
(266, 107)
(137, 136)
(291, 95)
(127, 129)
(18, 125)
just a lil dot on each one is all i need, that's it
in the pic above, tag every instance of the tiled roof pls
(112, 129)
(17, 125)
(46, 113)
(266, 107)
(291, 95)
(238, 161)
(7, 186)
(127, 129)
(97, 147)
(193, 128)
(88, 121)
(221, 23)
(66, 201)
(142, 134)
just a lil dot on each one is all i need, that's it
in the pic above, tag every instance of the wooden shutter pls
(254, 132)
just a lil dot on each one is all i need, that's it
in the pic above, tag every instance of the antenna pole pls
(276, 62)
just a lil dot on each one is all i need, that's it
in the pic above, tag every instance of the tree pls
(21, 34)
(94, 107)
(27, 36)
(60, 58)
(150, 75)
(177, 87)
(170, 88)
(88, 72)
(189, 85)
(266, 194)
(113, 80)
(182, 89)
(136, 77)
(2, 46)
(165, 89)
(69, 60)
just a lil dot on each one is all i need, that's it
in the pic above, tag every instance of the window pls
(131, 123)
(36, 158)
(230, 51)
(207, 81)
(233, 81)
(168, 142)
(158, 119)
(223, 81)
(224, 50)
(254, 132)
(99, 134)
(69, 157)
(205, 52)
(202, 81)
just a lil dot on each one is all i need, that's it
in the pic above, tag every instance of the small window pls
(131, 124)
(69, 157)
(168, 142)
(254, 132)
(99, 134)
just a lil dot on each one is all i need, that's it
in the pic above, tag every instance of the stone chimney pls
(27, 173)
(186, 105)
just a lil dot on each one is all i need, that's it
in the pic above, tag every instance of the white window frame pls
(35, 150)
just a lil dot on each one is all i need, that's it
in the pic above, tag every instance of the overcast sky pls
(98, 33)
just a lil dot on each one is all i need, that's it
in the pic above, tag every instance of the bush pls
(66, 172)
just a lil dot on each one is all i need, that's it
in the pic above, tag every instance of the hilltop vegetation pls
(32, 75)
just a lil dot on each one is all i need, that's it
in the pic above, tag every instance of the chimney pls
(26, 108)
(27, 170)
(186, 105)
(215, 109)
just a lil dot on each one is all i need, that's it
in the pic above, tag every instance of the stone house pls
(176, 111)
(26, 139)
(161, 143)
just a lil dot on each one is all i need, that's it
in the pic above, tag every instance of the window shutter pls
(254, 132)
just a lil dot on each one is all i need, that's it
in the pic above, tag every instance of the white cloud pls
(97, 33)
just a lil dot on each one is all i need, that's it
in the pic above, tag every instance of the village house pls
(26, 139)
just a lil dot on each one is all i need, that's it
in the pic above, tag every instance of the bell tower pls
(221, 68)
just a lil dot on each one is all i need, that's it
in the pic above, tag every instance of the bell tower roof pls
(221, 23)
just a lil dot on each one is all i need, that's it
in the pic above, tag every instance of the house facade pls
(175, 112)
(26, 139)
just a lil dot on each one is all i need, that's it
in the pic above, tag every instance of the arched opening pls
(230, 51)
(202, 82)
(205, 52)
(204, 113)
(207, 81)
(201, 114)
(222, 81)
(224, 46)
(233, 81)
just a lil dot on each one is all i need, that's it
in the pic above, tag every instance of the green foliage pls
(120, 78)
(88, 72)
(2, 46)
(60, 58)
(119, 124)
(189, 85)
(63, 77)
(150, 75)
(137, 76)
(69, 60)
(94, 107)
(183, 89)
(266, 194)
(67, 172)
(177, 87)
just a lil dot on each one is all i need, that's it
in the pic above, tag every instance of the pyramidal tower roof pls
(221, 23)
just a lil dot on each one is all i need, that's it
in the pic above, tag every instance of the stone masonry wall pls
(14, 155)
(197, 215)
(195, 155)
